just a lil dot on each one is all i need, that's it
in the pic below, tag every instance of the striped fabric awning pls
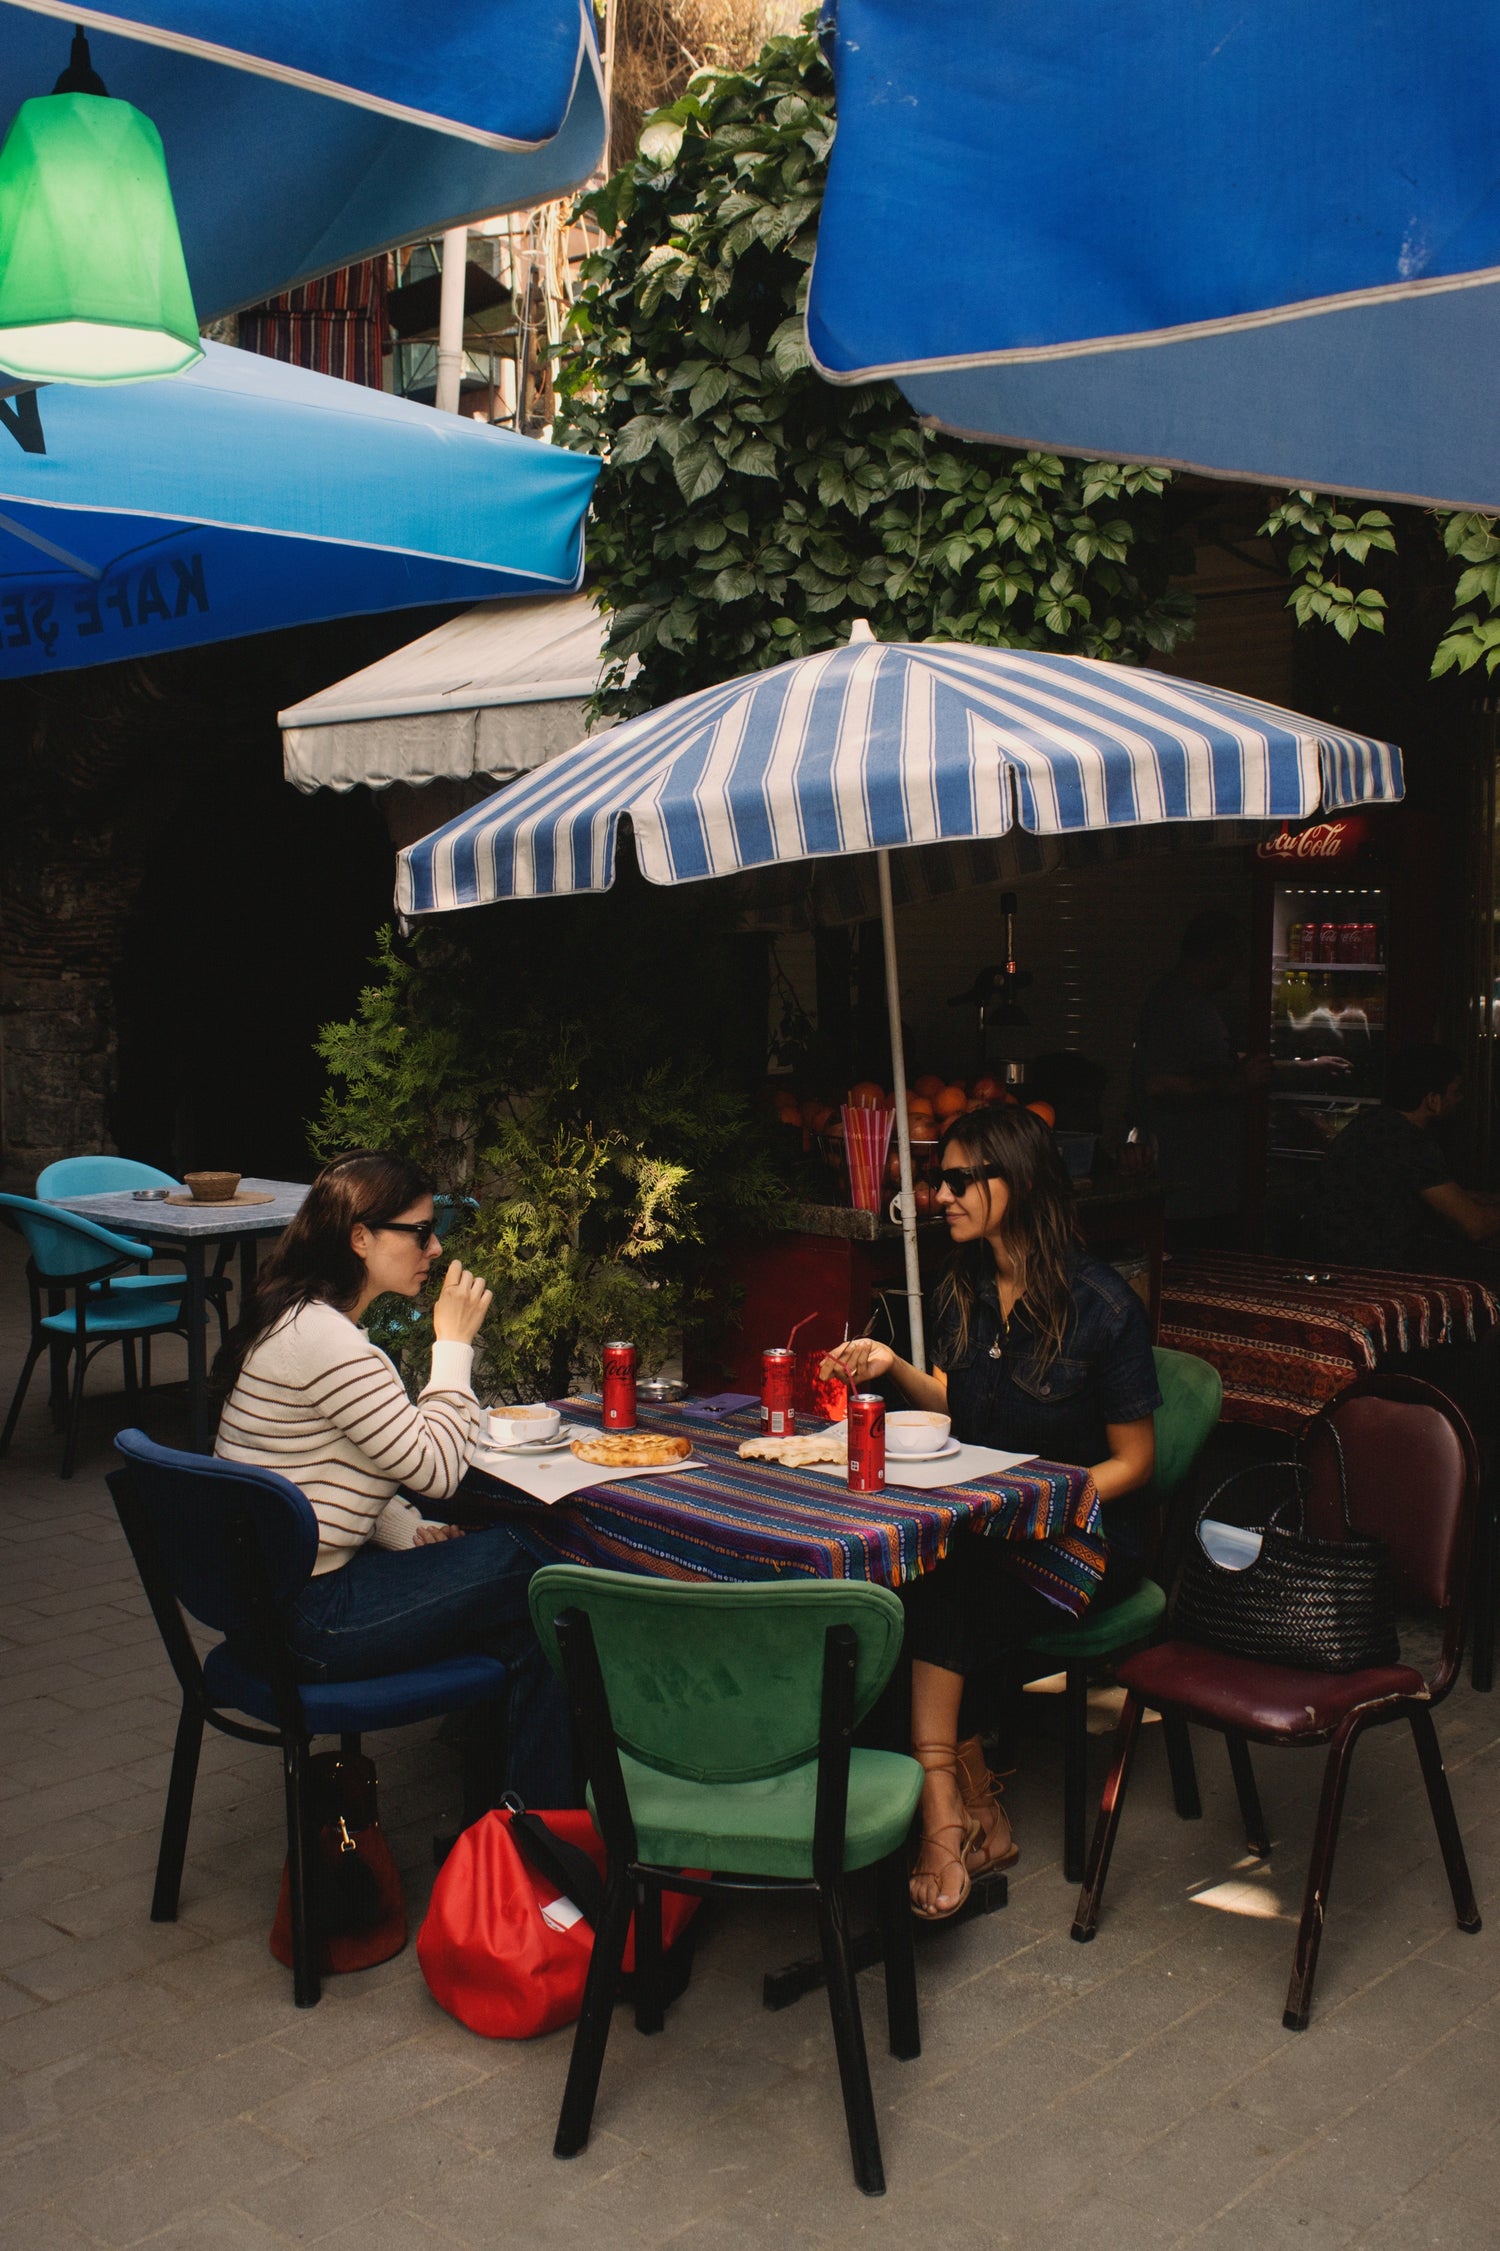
(882, 744)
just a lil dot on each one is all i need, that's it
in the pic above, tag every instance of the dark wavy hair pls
(1038, 1231)
(314, 1259)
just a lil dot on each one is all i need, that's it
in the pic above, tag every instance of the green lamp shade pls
(93, 288)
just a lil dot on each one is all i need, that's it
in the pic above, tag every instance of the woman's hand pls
(429, 1535)
(862, 1359)
(462, 1303)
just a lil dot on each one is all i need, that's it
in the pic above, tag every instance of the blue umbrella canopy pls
(881, 744)
(246, 495)
(1247, 240)
(300, 138)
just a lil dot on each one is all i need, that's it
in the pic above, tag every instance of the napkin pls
(556, 1477)
(962, 1468)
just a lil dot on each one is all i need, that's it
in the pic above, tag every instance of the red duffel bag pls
(507, 1937)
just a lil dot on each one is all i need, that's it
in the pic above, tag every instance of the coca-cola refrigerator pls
(1325, 921)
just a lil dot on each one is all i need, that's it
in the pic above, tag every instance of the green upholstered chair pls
(716, 1724)
(1191, 1395)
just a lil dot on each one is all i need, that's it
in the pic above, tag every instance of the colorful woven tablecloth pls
(722, 1518)
(1285, 1346)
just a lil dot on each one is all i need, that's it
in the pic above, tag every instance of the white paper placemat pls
(930, 1477)
(555, 1477)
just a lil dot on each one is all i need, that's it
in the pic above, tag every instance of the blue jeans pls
(388, 1609)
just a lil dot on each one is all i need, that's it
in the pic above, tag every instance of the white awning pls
(494, 692)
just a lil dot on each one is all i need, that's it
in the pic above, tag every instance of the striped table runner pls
(722, 1518)
(1284, 1347)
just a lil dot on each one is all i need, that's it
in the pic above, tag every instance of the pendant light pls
(93, 287)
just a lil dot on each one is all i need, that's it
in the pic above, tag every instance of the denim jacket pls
(1104, 1374)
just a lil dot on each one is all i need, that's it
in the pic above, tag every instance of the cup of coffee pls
(211, 1187)
(524, 1426)
(912, 1430)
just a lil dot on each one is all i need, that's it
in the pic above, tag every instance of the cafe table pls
(1286, 1340)
(189, 1231)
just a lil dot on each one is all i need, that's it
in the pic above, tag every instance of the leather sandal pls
(942, 1758)
(993, 1846)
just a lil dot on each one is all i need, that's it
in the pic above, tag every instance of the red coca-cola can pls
(866, 1442)
(778, 1417)
(619, 1386)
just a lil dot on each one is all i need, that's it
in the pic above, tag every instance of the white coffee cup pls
(913, 1430)
(523, 1426)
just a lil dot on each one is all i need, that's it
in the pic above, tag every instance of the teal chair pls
(73, 1257)
(104, 1176)
(1191, 1395)
(715, 1724)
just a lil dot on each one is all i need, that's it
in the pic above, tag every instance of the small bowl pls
(912, 1430)
(211, 1187)
(524, 1426)
(660, 1391)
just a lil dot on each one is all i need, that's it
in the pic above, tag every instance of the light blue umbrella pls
(875, 746)
(246, 495)
(1259, 241)
(303, 135)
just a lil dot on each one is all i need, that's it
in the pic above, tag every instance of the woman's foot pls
(940, 1882)
(993, 1847)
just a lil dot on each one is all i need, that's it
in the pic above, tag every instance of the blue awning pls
(303, 135)
(247, 495)
(1262, 242)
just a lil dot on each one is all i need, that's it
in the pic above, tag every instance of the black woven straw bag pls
(1324, 1606)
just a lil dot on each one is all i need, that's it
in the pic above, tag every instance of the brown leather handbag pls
(359, 1909)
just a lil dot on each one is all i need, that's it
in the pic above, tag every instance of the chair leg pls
(587, 2060)
(650, 2004)
(38, 1347)
(127, 1354)
(898, 1947)
(179, 1812)
(1319, 1879)
(486, 1738)
(1086, 1914)
(75, 1412)
(1181, 1768)
(1257, 1836)
(1445, 1820)
(1075, 1770)
(849, 2038)
(307, 1939)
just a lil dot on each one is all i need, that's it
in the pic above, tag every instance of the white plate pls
(534, 1445)
(928, 1453)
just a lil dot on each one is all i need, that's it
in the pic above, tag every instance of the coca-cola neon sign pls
(1324, 840)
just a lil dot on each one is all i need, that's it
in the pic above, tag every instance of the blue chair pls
(104, 1176)
(231, 1547)
(70, 1254)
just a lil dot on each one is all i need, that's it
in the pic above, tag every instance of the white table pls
(189, 1229)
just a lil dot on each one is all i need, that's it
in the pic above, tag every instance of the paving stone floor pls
(157, 2086)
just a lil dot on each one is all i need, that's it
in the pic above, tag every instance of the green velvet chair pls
(1191, 1394)
(716, 1724)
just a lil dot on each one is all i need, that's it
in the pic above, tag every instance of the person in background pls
(1386, 1195)
(313, 1397)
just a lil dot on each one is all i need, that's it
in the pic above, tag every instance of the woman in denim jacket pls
(1042, 1350)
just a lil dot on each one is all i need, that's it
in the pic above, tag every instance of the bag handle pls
(567, 1867)
(1298, 1473)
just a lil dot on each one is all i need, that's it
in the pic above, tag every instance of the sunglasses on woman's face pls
(959, 1179)
(422, 1229)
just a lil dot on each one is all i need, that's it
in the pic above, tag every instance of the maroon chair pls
(1413, 1479)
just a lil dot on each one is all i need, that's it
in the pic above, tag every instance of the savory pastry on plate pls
(632, 1449)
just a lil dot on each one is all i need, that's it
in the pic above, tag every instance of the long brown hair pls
(1038, 1231)
(314, 1259)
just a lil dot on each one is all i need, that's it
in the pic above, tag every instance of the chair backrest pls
(97, 1176)
(64, 1244)
(195, 1506)
(1192, 1392)
(719, 1683)
(1413, 1479)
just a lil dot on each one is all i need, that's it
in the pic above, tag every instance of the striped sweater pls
(321, 1403)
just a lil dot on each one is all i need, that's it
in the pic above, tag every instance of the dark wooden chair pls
(1413, 1479)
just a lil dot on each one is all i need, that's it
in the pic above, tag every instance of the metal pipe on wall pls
(450, 358)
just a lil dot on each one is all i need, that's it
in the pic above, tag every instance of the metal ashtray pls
(148, 1195)
(660, 1391)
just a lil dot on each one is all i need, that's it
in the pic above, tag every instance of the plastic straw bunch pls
(867, 1141)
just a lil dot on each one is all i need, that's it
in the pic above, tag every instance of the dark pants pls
(387, 1610)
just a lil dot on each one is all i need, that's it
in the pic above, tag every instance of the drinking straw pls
(867, 1141)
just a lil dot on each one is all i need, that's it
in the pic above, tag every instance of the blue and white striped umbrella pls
(882, 744)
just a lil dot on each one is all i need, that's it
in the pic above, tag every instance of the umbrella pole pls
(903, 1124)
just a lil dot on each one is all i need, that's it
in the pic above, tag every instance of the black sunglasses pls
(422, 1229)
(959, 1179)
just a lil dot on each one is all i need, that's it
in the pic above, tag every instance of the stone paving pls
(157, 2086)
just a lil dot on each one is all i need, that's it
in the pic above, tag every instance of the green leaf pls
(698, 470)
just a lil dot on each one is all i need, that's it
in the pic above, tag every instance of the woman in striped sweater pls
(311, 1395)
